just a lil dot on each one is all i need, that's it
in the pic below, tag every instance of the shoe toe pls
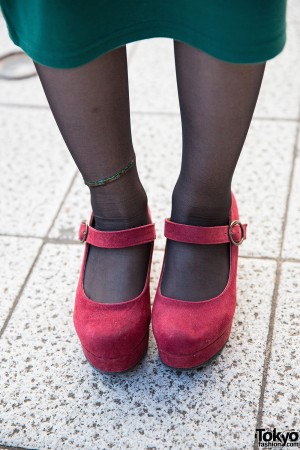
(112, 330)
(186, 333)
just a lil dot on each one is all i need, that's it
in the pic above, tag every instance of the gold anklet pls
(113, 177)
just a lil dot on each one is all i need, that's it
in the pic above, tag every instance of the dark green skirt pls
(69, 33)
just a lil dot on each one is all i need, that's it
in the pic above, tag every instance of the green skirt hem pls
(147, 30)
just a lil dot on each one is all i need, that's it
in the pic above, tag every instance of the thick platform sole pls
(198, 359)
(121, 364)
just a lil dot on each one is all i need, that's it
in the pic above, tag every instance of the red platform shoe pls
(114, 336)
(189, 334)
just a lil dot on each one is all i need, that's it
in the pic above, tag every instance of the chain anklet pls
(112, 177)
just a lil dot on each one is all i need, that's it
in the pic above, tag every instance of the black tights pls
(91, 107)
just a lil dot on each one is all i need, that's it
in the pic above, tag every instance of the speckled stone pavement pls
(50, 397)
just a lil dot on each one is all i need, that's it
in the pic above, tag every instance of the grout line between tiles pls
(60, 241)
(27, 236)
(9, 447)
(268, 350)
(177, 114)
(25, 106)
(130, 54)
(18, 296)
(277, 119)
(147, 113)
(291, 260)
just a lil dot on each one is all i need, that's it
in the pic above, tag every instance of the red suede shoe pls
(114, 337)
(189, 334)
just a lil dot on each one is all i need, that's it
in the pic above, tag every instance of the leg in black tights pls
(90, 104)
(217, 101)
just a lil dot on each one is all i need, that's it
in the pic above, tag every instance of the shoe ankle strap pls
(116, 239)
(234, 233)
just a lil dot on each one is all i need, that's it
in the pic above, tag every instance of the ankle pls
(202, 207)
(122, 214)
(120, 204)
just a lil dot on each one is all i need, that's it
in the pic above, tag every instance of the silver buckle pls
(236, 222)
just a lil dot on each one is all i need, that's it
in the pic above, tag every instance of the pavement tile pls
(18, 255)
(23, 92)
(280, 91)
(293, 11)
(52, 398)
(260, 181)
(36, 170)
(291, 247)
(282, 396)
(152, 77)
